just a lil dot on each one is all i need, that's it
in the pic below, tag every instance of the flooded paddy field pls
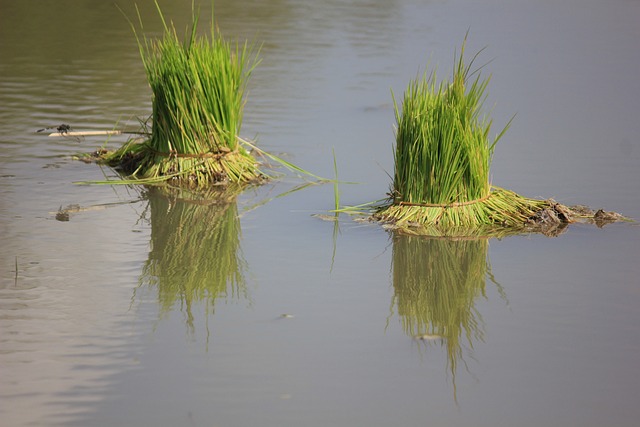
(120, 305)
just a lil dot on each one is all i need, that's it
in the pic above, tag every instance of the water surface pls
(144, 309)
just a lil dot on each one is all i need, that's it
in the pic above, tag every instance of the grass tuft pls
(198, 88)
(443, 151)
(443, 154)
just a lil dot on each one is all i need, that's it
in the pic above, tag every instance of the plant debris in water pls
(442, 158)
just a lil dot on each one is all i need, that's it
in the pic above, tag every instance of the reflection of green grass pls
(436, 282)
(195, 252)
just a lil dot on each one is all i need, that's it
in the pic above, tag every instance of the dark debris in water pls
(554, 219)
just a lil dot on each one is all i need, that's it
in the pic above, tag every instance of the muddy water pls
(141, 309)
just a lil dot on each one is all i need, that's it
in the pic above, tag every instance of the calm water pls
(143, 310)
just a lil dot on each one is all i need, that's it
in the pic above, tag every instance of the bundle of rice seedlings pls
(442, 158)
(198, 90)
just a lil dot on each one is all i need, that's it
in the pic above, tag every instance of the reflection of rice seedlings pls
(198, 98)
(195, 252)
(436, 282)
(442, 158)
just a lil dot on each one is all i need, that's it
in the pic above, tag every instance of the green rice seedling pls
(198, 88)
(442, 146)
(443, 152)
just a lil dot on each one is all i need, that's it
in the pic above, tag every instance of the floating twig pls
(97, 133)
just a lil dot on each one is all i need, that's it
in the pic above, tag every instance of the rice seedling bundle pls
(442, 159)
(198, 90)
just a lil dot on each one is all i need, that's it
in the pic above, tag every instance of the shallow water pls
(133, 312)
